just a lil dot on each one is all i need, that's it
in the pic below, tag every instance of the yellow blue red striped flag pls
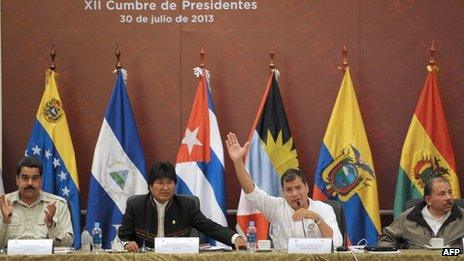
(51, 142)
(345, 171)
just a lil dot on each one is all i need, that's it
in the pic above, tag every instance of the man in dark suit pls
(161, 213)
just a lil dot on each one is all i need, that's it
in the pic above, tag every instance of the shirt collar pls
(14, 197)
(160, 205)
(426, 213)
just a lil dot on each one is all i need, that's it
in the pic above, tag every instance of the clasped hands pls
(303, 213)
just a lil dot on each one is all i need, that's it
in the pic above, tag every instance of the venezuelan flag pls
(51, 142)
(427, 150)
(271, 153)
(345, 171)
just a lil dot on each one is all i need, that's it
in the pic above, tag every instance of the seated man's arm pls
(61, 230)
(7, 212)
(210, 228)
(391, 236)
(126, 232)
(328, 226)
(3, 229)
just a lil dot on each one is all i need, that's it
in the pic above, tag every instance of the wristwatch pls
(52, 226)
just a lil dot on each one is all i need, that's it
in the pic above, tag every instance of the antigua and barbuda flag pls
(427, 150)
(345, 171)
(200, 159)
(51, 142)
(118, 167)
(270, 154)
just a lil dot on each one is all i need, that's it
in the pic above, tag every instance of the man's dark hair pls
(428, 186)
(30, 162)
(162, 170)
(290, 175)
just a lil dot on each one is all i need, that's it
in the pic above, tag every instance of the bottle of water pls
(96, 237)
(86, 240)
(251, 236)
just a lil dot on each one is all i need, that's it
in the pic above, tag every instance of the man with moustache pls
(436, 216)
(295, 214)
(161, 213)
(30, 213)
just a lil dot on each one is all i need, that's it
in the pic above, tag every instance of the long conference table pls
(241, 256)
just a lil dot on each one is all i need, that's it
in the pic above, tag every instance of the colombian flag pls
(51, 142)
(345, 171)
(271, 153)
(427, 150)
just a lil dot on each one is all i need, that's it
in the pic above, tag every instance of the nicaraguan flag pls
(200, 160)
(118, 167)
(51, 142)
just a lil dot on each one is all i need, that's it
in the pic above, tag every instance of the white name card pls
(30, 246)
(310, 245)
(177, 245)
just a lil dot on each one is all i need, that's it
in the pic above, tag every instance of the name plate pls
(310, 245)
(30, 246)
(177, 245)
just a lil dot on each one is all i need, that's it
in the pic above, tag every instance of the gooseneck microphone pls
(298, 203)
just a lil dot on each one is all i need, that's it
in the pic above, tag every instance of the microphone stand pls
(302, 223)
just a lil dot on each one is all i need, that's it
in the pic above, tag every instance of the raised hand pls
(49, 213)
(7, 209)
(236, 152)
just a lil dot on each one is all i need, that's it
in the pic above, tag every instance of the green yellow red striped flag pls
(427, 150)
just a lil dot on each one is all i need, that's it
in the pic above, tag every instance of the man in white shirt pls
(436, 216)
(293, 216)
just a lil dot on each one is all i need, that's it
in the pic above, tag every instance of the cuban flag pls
(200, 160)
(118, 167)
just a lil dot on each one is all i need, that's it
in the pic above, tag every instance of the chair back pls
(338, 209)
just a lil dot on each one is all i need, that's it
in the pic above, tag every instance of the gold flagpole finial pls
(431, 66)
(344, 59)
(53, 55)
(271, 55)
(202, 57)
(118, 56)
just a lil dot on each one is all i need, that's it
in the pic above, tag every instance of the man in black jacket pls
(161, 213)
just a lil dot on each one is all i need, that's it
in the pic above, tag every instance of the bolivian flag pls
(271, 153)
(427, 150)
(345, 171)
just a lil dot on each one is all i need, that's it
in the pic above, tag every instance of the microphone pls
(298, 203)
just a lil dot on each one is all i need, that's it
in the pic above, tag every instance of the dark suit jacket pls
(181, 215)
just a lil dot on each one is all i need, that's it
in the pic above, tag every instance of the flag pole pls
(53, 55)
(431, 66)
(272, 54)
(118, 56)
(202, 57)
(344, 59)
